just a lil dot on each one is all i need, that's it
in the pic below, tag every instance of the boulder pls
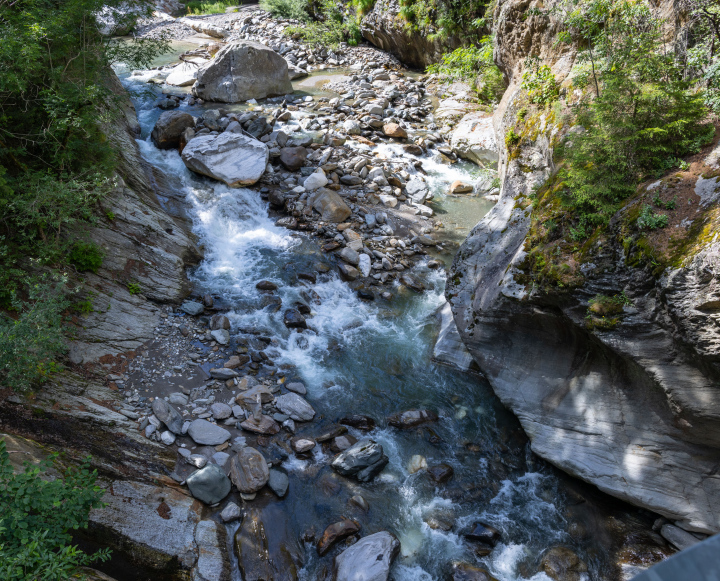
(231, 512)
(209, 484)
(278, 482)
(293, 158)
(261, 424)
(352, 127)
(207, 434)
(336, 532)
(296, 72)
(249, 470)
(347, 272)
(192, 308)
(363, 461)
(367, 560)
(241, 71)
(349, 256)
(474, 139)
(440, 473)
(220, 411)
(394, 130)
(303, 445)
(461, 187)
(232, 158)
(295, 406)
(412, 418)
(293, 319)
(562, 564)
(168, 415)
(315, 180)
(183, 75)
(223, 373)
(266, 550)
(482, 533)
(169, 128)
(330, 206)
(359, 422)
(678, 537)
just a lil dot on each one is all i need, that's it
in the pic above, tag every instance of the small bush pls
(196, 7)
(540, 83)
(37, 515)
(30, 344)
(86, 256)
(604, 305)
(511, 138)
(296, 9)
(650, 220)
(133, 288)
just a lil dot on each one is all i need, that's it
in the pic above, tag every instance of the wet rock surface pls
(367, 560)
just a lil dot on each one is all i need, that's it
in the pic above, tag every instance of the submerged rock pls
(412, 418)
(336, 532)
(467, 572)
(482, 533)
(562, 564)
(232, 158)
(363, 461)
(360, 422)
(242, 71)
(209, 484)
(367, 560)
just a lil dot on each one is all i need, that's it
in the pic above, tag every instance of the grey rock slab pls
(168, 415)
(363, 461)
(223, 373)
(209, 484)
(220, 411)
(231, 512)
(222, 336)
(297, 387)
(474, 139)
(295, 406)
(278, 482)
(232, 158)
(369, 559)
(249, 470)
(678, 537)
(207, 433)
(241, 71)
(192, 308)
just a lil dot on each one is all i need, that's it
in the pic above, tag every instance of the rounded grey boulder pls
(241, 71)
(367, 560)
(207, 433)
(209, 484)
(170, 127)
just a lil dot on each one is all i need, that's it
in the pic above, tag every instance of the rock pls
(678, 537)
(449, 347)
(295, 406)
(296, 72)
(219, 322)
(293, 158)
(294, 320)
(562, 564)
(178, 398)
(261, 424)
(241, 71)
(223, 373)
(166, 104)
(204, 27)
(363, 461)
(330, 206)
(417, 190)
(412, 418)
(232, 158)
(349, 256)
(315, 180)
(460, 187)
(197, 460)
(296, 387)
(388, 201)
(364, 423)
(303, 445)
(278, 482)
(352, 127)
(367, 560)
(474, 139)
(347, 272)
(183, 75)
(467, 572)
(259, 127)
(168, 415)
(251, 395)
(336, 532)
(167, 438)
(417, 463)
(265, 548)
(209, 484)
(394, 130)
(413, 149)
(342, 443)
(364, 264)
(360, 502)
(266, 285)
(192, 308)
(207, 434)
(249, 470)
(220, 411)
(440, 473)
(170, 127)
(482, 533)
(222, 336)
(231, 512)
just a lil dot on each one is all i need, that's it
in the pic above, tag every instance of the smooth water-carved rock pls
(367, 560)
(249, 470)
(241, 71)
(209, 484)
(335, 533)
(232, 158)
(474, 139)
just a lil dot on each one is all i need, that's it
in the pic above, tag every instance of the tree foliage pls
(37, 516)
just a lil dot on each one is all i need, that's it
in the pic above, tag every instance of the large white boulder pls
(233, 158)
(183, 75)
(241, 71)
(474, 139)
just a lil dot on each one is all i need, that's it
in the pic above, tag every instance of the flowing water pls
(374, 358)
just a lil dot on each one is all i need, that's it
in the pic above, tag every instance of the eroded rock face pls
(232, 158)
(385, 29)
(633, 410)
(241, 71)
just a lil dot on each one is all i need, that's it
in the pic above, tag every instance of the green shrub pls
(650, 220)
(203, 7)
(37, 515)
(31, 343)
(363, 6)
(467, 19)
(511, 138)
(296, 9)
(539, 82)
(329, 30)
(133, 288)
(86, 256)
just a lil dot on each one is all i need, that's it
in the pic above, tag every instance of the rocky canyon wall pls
(633, 409)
